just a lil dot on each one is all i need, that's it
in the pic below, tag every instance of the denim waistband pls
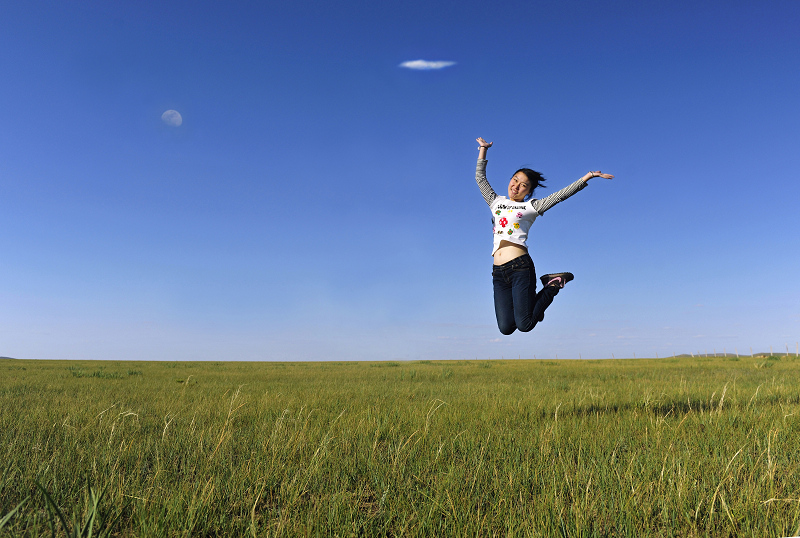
(510, 263)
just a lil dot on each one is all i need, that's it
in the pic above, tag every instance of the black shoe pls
(556, 279)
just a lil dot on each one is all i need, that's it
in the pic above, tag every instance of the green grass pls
(670, 447)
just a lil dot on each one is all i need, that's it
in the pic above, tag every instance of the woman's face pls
(519, 187)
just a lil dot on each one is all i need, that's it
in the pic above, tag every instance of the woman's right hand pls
(483, 143)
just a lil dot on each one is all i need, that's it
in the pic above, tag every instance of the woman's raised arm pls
(480, 172)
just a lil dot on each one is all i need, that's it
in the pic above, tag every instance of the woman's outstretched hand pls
(484, 145)
(596, 173)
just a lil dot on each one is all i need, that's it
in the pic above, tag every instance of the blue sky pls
(318, 201)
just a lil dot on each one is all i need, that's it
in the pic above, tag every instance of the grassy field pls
(670, 447)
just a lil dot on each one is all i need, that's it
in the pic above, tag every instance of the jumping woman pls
(516, 303)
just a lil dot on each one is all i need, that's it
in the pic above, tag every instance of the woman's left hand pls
(597, 173)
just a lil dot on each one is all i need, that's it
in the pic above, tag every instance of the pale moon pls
(172, 118)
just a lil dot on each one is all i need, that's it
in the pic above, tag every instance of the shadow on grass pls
(662, 408)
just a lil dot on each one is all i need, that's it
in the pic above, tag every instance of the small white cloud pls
(496, 340)
(426, 65)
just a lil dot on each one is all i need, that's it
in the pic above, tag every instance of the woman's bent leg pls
(543, 299)
(503, 300)
(516, 303)
(523, 276)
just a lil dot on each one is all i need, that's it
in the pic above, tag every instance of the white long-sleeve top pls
(511, 219)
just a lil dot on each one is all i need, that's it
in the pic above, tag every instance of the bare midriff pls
(507, 252)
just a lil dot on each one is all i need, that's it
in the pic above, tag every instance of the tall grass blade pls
(59, 513)
(8, 516)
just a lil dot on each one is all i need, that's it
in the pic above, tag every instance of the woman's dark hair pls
(536, 179)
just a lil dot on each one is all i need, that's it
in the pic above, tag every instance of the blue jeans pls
(516, 303)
